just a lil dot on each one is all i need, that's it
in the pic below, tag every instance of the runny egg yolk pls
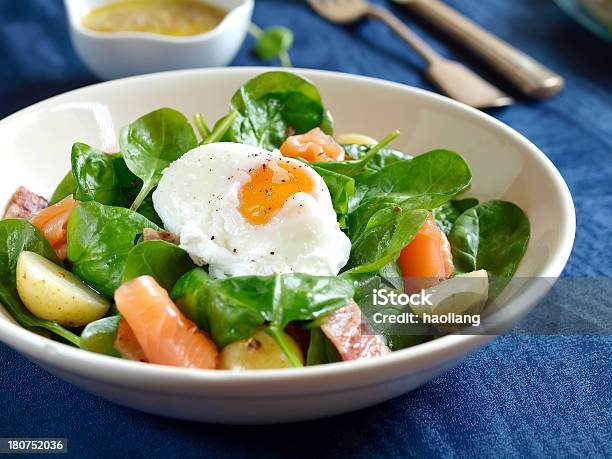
(270, 186)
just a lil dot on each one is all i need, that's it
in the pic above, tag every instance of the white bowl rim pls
(76, 25)
(47, 350)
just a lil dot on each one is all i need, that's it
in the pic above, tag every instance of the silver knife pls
(528, 75)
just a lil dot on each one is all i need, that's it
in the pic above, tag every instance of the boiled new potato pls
(53, 293)
(465, 294)
(257, 352)
(358, 139)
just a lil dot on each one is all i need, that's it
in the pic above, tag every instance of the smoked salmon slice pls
(427, 260)
(53, 222)
(166, 336)
(313, 146)
(127, 344)
(352, 340)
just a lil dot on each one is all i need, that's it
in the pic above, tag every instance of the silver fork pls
(453, 78)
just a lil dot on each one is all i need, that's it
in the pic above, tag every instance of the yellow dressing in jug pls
(166, 17)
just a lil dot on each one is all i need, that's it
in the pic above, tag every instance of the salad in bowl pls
(261, 242)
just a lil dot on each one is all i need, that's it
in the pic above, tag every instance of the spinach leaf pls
(147, 210)
(152, 142)
(447, 213)
(16, 236)
(426, 181)
(392, 274)
(274, 105)
(229, 312)
(299, 297)
(388, 207)
(200, 125)
(360, 178)
(494, 236)
(102, 177)
(65, 188)
(354, 167)
(382, 158)
(372, 213)
(320, 349)
(99, 336)
(364, 284)
(221, 127)
(231, 309)
(341, 188)
(105, 178)
(382, 244)
(162, 260)
(327, 124)
(274, 42)
(99, 240)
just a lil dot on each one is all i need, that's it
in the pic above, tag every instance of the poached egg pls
(244, 210)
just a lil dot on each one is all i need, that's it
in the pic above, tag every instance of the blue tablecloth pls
(536, 396)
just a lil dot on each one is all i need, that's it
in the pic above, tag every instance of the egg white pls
(198, 198)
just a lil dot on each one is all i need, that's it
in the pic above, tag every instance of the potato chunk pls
(53, 293)
(465, 294)
(258, 352)
(358, 139)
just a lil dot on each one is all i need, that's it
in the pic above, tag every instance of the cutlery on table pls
(528, 75)
(453, 78)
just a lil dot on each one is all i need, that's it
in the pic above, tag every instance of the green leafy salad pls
(262, 241)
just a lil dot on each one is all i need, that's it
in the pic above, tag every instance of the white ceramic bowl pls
(35, 145)
(121, 54)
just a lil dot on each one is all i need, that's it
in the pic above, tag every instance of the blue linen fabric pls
(520, 396)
